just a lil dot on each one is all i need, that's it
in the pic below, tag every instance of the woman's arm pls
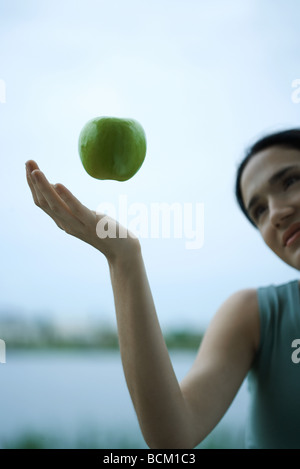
(171, 414)
(155, 392)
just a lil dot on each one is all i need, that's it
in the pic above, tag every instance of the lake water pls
(81, 396)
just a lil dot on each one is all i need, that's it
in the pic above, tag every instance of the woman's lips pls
(291, 234)
(293, 238)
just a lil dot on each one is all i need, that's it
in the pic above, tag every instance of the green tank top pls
(274, 379)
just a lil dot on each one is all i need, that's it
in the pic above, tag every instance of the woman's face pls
(270, 187)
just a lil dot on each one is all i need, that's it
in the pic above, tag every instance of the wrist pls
(126, 256)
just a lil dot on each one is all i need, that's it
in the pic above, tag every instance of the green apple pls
(112, 148)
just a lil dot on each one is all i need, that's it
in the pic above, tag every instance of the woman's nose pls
(279, 212)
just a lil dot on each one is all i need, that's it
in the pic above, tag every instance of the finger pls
(73, 203)
(57, 206)
(38, 199)
(77, 208)
(31, 165)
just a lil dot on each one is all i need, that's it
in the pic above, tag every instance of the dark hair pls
(286, 138)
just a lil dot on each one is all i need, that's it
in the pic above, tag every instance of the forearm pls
(149, 374)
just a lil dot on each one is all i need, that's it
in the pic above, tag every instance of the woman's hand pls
(77, 220)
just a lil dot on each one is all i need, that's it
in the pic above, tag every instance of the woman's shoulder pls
(244, 300)
(250, 300)
(241, 308)
(249, 303)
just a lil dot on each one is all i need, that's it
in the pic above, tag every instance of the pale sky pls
(204, 78)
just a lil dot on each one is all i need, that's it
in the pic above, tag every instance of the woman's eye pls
(258, 211)
(290, 180)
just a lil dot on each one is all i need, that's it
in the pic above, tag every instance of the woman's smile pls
(291, 234)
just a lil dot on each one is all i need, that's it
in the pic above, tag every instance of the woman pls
(253, 332)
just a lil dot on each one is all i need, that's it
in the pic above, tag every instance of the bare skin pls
(171, 414)
(278, 204)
